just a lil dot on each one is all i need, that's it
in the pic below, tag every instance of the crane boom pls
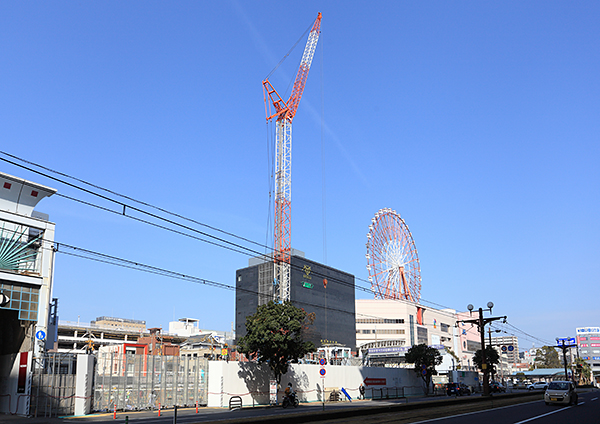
(284, 112)
(288, 109)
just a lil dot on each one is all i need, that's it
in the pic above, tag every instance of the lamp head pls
(470, 307)
(490, 305)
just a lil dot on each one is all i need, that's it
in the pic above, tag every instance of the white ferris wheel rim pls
(390, 249)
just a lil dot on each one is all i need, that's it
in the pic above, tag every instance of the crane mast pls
(284, 112)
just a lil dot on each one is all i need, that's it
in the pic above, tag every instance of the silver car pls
(561, 392)
(538, 385)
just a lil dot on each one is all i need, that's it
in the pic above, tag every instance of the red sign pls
(374, 381)
(22, 375)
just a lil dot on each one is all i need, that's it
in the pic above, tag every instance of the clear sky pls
(477, 121)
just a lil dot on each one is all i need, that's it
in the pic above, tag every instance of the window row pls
(379, 321)
(380, 331)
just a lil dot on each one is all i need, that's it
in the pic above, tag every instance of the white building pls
(386, 328)
(507, 347)
(186, 327)
(26, 277)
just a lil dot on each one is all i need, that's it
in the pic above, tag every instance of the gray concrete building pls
(315, 287)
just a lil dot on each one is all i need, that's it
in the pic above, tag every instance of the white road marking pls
(594, 398)
(472, 413)
(546, 414)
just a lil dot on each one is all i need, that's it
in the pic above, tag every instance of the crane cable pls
(292, 49)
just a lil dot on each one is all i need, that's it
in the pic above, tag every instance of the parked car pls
(496, 387)
(457, 389)
(538, 385)
(561, 392)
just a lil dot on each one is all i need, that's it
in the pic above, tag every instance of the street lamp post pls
(481, 322)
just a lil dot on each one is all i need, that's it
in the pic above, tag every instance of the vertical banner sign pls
(273, 391)
(22, 379)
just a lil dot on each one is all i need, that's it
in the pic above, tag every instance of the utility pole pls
(481, 322)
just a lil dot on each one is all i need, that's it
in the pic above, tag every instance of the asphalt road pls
(535, 412)
(498, 409)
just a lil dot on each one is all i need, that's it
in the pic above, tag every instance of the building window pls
(23, 298)
(380, 321)
(444, 327)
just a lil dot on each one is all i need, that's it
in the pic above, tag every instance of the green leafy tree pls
(275, 335)
(424, 359)
(492, 357)
(583, 371)
(547, 357)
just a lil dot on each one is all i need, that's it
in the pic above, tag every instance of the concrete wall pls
(250, 381)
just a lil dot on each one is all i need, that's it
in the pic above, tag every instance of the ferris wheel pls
(392, 260)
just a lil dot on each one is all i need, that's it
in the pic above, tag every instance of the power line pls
(220, 242)
(116, 194)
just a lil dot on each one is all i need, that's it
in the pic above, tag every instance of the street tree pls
(547, 357)
(275, 336)
(583, 371)
(424, 359)
(492, 357)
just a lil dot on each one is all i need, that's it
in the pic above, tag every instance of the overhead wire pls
(220, 242)
(114, 193)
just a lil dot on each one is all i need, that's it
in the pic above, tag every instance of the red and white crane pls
(284, 112)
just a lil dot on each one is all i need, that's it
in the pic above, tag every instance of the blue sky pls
(477, 121)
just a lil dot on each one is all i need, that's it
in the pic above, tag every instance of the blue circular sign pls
(322, 361)
(511, 348)
(40, 335)
(322, 371)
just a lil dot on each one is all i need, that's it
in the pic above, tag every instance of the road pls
(535, 412)
(527, 409)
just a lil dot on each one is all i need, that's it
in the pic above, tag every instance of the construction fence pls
(138, 382)
(53, 385)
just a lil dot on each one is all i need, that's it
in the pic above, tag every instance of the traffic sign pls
(322, 372)
(511, 348)
(504, 348)
(40, 335)
(566, 341)
(322, 361)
